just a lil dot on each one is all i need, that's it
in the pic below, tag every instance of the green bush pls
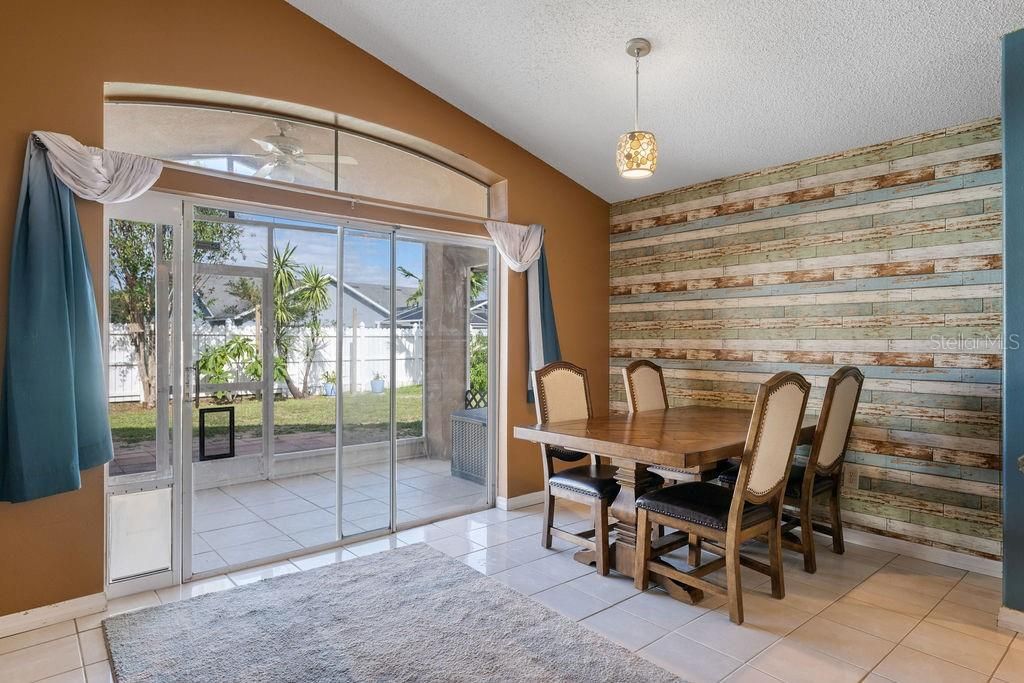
(478, 364)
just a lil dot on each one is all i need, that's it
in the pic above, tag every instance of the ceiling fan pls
(283, 155)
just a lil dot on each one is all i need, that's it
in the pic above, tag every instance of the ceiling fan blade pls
(321, 174)
(318, 158)
(227, 155)
(347, 161)
(268, 147)
(266, 169)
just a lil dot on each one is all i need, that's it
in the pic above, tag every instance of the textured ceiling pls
(730, 86)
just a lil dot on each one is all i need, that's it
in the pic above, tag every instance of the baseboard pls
(1011, 619)
(523, 501)
(928, 553)
(46, 615)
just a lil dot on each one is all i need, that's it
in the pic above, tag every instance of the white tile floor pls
(247, 522)
(867, 615)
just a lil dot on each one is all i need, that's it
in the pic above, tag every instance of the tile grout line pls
(819, 613)
(813, 615)
(922, 620)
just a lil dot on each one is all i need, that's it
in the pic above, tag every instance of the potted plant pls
(330, 382)
(377, 383)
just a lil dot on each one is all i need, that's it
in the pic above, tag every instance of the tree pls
(314, 295)
(301, 294)
(132, 273)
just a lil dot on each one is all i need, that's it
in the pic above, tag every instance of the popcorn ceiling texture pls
(886, 257)
(730, 86)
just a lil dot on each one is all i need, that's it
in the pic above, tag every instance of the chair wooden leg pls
(659, 530)
(643, 550)
(732, 578)
(694, 555)
(549, 520)
(837, 522)
(775, 561)
(807, 537)
(601, 536)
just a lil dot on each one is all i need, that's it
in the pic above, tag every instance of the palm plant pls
(301, 294)
(314, 296)
(314, 290)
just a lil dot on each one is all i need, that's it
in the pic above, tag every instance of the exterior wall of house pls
(56, 62)
(886, 257)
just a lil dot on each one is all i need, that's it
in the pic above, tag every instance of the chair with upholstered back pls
(645, 390)
(823, 474)
(645, 386)
(727, 518)
(563, 394)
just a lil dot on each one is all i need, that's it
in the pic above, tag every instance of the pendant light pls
(637, 153)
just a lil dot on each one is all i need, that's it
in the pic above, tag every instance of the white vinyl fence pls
(364, 354)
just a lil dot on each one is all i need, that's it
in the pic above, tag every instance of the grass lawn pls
(365, 416)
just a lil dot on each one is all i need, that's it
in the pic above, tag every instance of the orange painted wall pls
(55, 58)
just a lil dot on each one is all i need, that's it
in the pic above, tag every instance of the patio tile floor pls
(244, 522)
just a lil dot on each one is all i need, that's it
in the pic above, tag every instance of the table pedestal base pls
(634, 480)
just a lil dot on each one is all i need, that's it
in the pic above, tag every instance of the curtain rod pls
(327, 194)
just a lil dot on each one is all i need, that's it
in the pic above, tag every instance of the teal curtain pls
(1013, 320)
(542, 330)
(548, 329)
(53, 405)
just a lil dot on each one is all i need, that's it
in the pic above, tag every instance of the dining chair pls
(822, 475)
(703, 512)
(563, 393)
(645, 390)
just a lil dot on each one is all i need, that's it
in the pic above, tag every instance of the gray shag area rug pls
(410, 614)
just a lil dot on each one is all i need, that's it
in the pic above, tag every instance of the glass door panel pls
(264, 351)
(443, 371)
(231, 389)
(305, 366)
(365, 381)
(306, 346)
(141, 242)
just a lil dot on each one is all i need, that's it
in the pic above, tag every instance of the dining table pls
(682, 437)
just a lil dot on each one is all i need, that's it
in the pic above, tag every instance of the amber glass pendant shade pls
(637, 154)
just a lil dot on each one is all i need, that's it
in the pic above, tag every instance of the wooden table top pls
(686, 436)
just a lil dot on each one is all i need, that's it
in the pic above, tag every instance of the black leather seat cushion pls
(700, 503)
(729, 475)
(590, 480)
(566, 455)
(796, 480)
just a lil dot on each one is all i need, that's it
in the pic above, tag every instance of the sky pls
(367, 254)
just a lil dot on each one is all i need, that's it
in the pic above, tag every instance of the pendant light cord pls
(636, 92)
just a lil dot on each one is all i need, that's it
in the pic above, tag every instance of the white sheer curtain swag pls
(96, 174)
(519, 245)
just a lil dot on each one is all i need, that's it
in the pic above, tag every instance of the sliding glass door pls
(315, 381)
(369, 402)
(442, 356)
(417, 433)
(262, 361)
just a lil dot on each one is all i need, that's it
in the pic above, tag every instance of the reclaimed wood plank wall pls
(885, 257)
